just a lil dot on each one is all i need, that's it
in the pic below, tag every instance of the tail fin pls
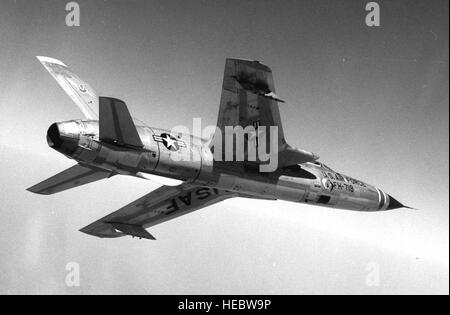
(72, 177)
(79, 91)
(116, 125)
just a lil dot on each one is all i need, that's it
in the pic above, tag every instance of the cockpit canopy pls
(297, 171)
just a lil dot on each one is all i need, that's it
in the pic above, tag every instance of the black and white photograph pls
(224, 153)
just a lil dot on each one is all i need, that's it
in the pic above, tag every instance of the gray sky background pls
(373, 103)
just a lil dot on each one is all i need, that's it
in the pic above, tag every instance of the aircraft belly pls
(293, 189)
(246, 186)
(290, 193)
(88, 150)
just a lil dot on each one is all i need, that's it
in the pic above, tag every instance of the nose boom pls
(394, 204)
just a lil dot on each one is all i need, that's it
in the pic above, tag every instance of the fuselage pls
(186, 158)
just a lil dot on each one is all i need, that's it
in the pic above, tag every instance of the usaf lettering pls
(199, 194)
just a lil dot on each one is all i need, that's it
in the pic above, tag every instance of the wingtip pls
(31, 190)
(43, 59)
(36, 191)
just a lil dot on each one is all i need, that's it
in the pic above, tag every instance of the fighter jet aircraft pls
(109, 142)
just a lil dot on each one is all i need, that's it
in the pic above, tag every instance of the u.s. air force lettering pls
(190, 198)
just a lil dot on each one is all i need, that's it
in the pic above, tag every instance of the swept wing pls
(163, 204)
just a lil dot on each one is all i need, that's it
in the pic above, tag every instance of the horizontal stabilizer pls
(116, 124)
(132, 230)
(75, 176)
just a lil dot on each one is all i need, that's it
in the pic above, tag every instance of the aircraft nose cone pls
(54, 137)
(394, 203)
